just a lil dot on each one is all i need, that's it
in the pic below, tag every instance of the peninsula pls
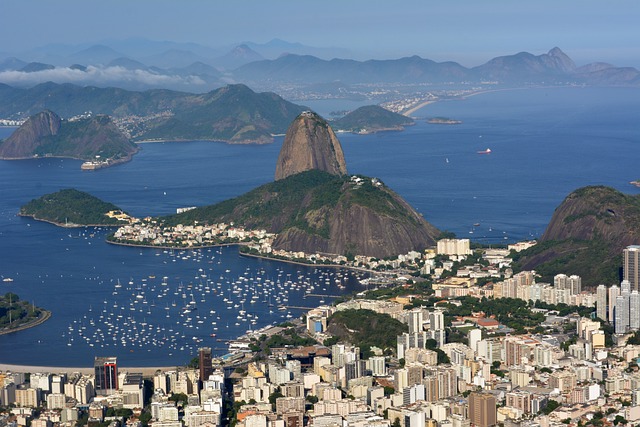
(315, 206)
(73, 208)
(17, 315)
(95, 139)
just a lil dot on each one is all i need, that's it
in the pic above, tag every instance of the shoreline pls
(46, 315)
(68, 225)
(116, 162)
(221, 141)
(470, 94)
(337, 266)
(145, 370)
(133, 245)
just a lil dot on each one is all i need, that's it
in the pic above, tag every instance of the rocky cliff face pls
(24, 141)
(586, 235)
(310, 143)
(597, 213)
(358, 227)
(45, 134)
(314, 211)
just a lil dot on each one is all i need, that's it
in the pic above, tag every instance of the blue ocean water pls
(544, 144)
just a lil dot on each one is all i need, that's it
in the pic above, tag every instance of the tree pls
(552, 405)
(194, 363)
(145, 417)
(273, 396)
(619, 419)
(179, 397)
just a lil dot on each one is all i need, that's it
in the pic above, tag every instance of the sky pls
(467, 31)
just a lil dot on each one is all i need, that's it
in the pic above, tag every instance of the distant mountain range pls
(198, 69)
(523, 68)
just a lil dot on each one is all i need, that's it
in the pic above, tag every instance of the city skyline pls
(467, 32)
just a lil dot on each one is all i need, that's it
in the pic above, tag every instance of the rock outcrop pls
(314, 207)
(314, 211)
(310, 143)
(26, 139)
(46, 135)
(586, 235)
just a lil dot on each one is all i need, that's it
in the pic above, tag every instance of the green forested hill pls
(70, 207)
(366, 328)
(371, 118)
(315, 211)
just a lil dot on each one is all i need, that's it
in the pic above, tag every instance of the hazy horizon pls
(465, 31)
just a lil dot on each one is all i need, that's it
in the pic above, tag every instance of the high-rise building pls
(106, 375)
(622, 313)
(415, 320)
(560, 281)
(614, 292)
(601, 302)
(482, 409)
(575, 284)
(631, 266)
(206, 368)
(474, 336)
(634, 310)
(436, 326)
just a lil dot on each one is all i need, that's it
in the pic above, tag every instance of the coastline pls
(46, 314)
(337, 266)
(222, 141)
(412, 110)
(470, 94)
(125, 159)
(67, 225)
(133, 245)
(146, 371)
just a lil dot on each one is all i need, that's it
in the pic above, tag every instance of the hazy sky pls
(467, 31)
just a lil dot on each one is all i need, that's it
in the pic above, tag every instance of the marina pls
(185, 300)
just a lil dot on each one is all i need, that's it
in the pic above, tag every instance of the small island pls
(636, 183)
(371, 119)
(443, 121)
(17, 315)
(74, 208)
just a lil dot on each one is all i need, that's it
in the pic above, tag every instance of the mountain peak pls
(562, 60)
(310, 143)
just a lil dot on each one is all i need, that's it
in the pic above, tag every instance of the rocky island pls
(371, 119)
(443, 121)
(95, 139)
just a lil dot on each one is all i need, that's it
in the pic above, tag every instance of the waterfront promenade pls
(46, 314)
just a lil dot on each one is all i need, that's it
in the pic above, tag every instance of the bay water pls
(152, 307)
